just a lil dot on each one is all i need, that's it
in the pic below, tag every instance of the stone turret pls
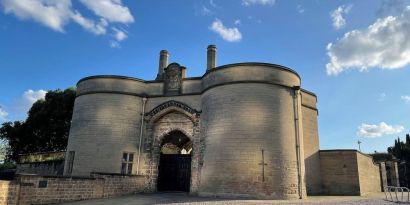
(211, 57)
(163, 63)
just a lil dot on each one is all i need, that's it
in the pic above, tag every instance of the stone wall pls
(49, 168)
(8, 192)
(33, 189)
(239, 120)
(348, 172)
(247, 107)
(103, 127)
(369, 174)
(339, 172)
(311, 144)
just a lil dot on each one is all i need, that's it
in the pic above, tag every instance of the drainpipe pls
(297, 131)
(144, 101)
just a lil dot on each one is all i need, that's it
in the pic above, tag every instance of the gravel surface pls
(178, 198)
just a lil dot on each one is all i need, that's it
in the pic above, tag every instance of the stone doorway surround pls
(165, 118)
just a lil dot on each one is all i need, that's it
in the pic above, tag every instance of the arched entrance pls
(166, 122)
(174, 170)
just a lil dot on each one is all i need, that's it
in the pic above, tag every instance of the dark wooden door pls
(174, 172)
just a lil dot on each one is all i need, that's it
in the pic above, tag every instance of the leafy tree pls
(46, 127)
(401, 150)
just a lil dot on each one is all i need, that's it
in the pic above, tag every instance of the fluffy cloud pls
(384, 44)
(337, 16)
(228, 34)
(406, 98)
(373, 131)
(3, 115)
(56, 14)
(119, 34)
(32, 96)
(112, 10)
(53, 14)
(89, 25)
(258, 2)
(391, 6)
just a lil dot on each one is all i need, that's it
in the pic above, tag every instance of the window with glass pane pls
(126, 163)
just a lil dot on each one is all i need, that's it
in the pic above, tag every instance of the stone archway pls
(174, 170)
(166, 118)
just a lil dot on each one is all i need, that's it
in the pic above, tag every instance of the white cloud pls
(212, 3)
(53, 14)
(228, 34)
(115, 44)
(406, 98)
(119, 34)
(112, 10)
(3, 115)
(337, 16)
(32, 96)
(391, 6)
(373, 131)
(237, 22)
(300, 9)
(384, 44)
(89, 25)
(258, 2)
(205, 11)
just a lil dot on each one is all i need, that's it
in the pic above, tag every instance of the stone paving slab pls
(184, 199)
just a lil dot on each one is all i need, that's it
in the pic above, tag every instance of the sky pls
(355, 55)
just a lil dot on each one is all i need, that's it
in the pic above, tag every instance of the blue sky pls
(354, 55)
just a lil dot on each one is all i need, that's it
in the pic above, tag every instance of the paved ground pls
(180, 198)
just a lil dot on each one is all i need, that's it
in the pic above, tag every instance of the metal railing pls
(389, 190)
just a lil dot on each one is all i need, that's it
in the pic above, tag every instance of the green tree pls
(401, 150)
(46, 127)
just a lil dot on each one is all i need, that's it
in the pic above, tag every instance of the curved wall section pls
(103, 127)
(117, 84)
(238, 122)
(250, 72)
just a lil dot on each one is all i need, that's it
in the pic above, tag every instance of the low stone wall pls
(49, 168)
(339, 172)
(8, 192)
(348, 172)
(33, 189)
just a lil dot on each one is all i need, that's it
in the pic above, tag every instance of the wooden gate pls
(174, 172)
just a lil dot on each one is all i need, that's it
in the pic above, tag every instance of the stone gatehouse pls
(245, 129)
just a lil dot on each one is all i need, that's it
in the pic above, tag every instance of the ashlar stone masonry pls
(244, 129)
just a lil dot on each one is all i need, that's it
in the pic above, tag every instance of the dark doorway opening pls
(174, 171)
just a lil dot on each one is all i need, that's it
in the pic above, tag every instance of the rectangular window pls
(126, 163)
(71, 155)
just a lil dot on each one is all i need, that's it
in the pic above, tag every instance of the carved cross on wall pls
(263, 164)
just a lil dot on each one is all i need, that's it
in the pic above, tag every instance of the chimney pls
(163, 63)
(211, 57)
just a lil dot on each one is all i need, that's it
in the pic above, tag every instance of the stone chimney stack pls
(163, 63)
(211, 57)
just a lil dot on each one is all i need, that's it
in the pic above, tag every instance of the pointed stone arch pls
(187, 121)
(171, 106)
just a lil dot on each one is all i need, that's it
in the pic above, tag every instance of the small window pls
(126, 163)
(71, 155)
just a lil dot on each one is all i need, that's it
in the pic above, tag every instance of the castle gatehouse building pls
(244, 129)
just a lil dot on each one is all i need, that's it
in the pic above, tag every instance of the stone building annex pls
(244, 129)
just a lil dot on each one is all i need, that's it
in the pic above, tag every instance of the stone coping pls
(274, 66)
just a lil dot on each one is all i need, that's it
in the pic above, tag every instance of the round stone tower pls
(252, 135)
